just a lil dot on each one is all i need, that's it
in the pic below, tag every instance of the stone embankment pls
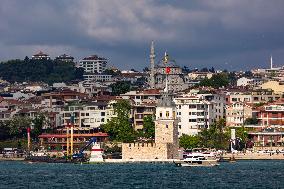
(255, 156)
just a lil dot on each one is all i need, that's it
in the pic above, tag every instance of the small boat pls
(197, 161)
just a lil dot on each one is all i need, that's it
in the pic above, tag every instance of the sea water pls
(242, 174)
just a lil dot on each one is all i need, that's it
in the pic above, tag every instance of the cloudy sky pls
(226, 34)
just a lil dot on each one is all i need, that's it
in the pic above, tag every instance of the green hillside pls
(48, 71)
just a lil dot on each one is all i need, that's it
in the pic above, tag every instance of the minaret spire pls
(271, 62)
(152, 66)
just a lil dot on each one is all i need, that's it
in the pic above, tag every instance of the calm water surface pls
(242, 174)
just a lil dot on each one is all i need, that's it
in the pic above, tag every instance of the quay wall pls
(255, 156)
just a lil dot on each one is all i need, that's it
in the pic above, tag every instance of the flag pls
(168, 70)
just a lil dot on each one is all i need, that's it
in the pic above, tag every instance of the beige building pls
(166, 135)
(237, 113)
(274, 85)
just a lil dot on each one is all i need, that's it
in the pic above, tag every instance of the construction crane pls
(80, 155)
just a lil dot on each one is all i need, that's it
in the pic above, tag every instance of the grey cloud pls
(197, 32)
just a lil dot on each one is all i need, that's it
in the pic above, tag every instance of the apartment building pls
(237, 113)
(271, 114)
(92, 115)
(93, 64)
(194, 113)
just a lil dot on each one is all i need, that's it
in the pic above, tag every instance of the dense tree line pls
(216, 136)
(216, 81)
(48, 71)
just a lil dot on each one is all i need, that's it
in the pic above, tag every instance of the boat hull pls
(203, 163)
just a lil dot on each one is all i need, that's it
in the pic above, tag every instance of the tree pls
(216, 136)
(148, 127)
(251, 121)
(4, 131)
(38, 123)
(216, 81)
(120, 87)
(119, 128)
(18, 125)
(242, 134)
(189, 141)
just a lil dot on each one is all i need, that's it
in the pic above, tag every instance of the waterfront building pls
(65, 58)
(271, 114)
(194, 114)
(197, 110)
(269, 138)
(237, 113)
(93, 64)
(40, 56)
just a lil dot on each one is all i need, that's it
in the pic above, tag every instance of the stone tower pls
(152, 66)
(166, 124)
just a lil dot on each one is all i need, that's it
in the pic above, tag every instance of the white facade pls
(194, 114)
(93, 64)
(88, 116)
(97, 77)
(244, 81)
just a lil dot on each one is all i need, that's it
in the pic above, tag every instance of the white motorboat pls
(197, 160)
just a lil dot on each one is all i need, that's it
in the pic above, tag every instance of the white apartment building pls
(90, 116)
(194, 113)
(93, 64)
(198, 111)
(97, 77)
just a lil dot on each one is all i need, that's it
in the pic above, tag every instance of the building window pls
(167, 114)
(167, 126)
(161, 114)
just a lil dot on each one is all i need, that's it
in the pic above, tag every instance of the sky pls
(225, 34)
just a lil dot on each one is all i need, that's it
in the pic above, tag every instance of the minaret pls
(271, 62)
(152, 66)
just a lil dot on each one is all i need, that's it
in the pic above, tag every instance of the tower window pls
(167, 126)
(167, 114)
(161, 114)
